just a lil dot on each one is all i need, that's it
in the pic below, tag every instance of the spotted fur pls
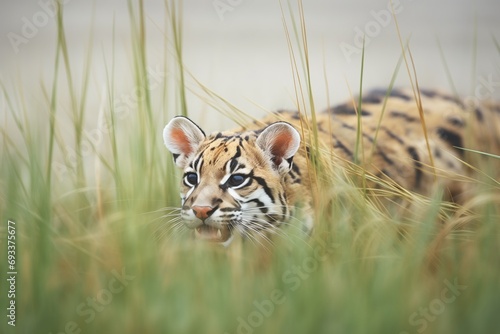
(252, 179)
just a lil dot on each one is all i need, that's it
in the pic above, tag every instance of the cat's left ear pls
(279, 141)
(182, 137)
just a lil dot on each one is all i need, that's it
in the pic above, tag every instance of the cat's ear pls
(182, 137)
(280, 141)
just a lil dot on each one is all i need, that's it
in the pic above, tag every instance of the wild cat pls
(250, 180)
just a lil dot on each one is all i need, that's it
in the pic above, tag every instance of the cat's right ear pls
(182, 137)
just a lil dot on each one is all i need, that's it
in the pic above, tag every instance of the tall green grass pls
(364, 270)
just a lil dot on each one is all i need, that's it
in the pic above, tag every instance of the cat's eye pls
(236, 180)
(191, 179)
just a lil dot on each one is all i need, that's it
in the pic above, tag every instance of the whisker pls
(276, 230)
(167, 208)
(254, 238)
(253, 210)
(171, 227)
(176, 231)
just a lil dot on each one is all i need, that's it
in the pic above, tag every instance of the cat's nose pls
(203, 212)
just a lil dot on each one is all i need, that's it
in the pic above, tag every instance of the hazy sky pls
(238, 47)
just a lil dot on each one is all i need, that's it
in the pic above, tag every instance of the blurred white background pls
(238, 48)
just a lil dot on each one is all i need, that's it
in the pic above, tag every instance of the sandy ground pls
(238, 48)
